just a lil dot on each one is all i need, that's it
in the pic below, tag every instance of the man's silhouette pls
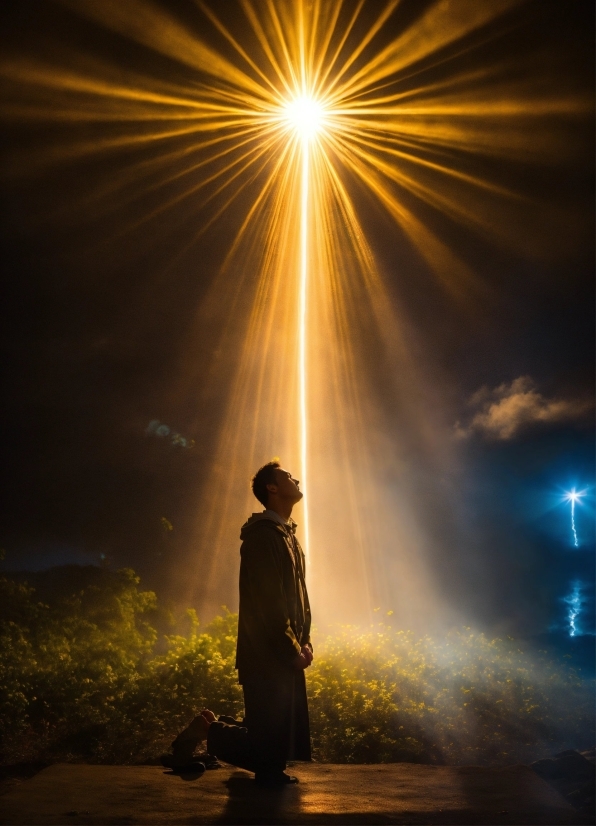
(273, 647)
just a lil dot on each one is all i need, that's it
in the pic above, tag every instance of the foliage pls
(386, 696)
(83, 676)
(68, 669)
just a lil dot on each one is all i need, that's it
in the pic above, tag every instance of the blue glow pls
(574, 601)
(574, 496)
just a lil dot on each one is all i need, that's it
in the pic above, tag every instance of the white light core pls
(305, 115)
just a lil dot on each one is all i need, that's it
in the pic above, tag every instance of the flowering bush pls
(85, 675)
(385, 695)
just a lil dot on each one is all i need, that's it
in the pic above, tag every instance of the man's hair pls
(264, 476)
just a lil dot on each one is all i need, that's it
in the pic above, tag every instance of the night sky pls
(101, 333)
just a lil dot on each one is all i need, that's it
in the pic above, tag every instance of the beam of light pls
(284, 120)
(575, 602)
(303, 337)
(572, 497)
(305, 117)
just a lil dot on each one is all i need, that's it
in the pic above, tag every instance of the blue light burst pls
(574, 496)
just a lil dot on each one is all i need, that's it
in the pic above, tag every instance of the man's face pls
(286, 486)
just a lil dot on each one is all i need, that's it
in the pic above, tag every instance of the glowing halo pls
(305, 115)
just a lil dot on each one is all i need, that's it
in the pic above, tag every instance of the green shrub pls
(83, 676)
(385, 695)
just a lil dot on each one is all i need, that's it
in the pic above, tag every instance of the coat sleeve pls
(268, 621)
(307, 640)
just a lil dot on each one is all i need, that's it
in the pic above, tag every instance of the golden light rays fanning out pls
(315, 116)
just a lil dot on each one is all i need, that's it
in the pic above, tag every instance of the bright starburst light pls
(305, 115)
(286, 124)
(574, 496)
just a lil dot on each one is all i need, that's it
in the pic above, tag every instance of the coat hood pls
(256, 520)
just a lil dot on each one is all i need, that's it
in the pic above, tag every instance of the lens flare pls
(574, 496)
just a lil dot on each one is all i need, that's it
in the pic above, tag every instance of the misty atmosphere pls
(402, 315)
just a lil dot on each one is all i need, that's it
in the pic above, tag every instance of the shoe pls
(196, 767)
(169, 761)
(185, 744)
(273, 781)
(208, 760)
(195, 732)
(183, 751)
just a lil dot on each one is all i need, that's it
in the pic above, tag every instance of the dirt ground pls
(390, 793)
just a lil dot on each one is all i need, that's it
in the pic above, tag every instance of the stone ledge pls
(400, 793)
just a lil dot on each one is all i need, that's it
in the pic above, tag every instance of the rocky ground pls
(572, 774)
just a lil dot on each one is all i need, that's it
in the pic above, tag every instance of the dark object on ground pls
(572, 774)
(208, 760)
(391, 793)
(192, 766)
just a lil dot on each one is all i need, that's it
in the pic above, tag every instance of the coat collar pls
(290, 525)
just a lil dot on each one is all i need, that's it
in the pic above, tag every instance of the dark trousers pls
(274, 729)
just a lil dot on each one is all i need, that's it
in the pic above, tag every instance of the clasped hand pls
(304, 659)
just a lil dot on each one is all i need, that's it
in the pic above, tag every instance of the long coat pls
(273, 624)
(274, 616)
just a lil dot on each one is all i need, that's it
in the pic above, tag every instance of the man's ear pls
(271, 488)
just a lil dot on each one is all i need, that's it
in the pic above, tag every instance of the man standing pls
(274, 647)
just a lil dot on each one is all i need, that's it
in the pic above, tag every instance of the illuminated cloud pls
(505, 410)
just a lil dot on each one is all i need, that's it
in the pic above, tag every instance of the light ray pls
(303, 335)
(284, 109)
